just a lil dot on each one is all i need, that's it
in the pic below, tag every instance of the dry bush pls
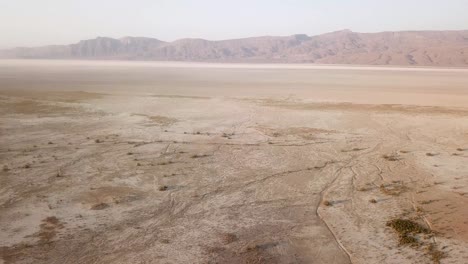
(393, 189)
(165, 163)
(228, 238)
(99, 206)
(199, 156)
(407, 229)
(435, 254)
(391, 157)
(165, 241)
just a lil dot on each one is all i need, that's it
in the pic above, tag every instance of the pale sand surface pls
(112, 162)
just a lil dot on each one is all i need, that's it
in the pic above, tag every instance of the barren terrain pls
(448, 48)
(119, 162)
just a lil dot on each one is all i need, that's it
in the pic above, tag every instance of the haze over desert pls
(233, 132)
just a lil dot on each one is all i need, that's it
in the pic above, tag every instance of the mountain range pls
(418, 48)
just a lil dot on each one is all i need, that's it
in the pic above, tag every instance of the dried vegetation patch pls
(410, 232)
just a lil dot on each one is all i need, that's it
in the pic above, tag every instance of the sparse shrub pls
(407, 226)
(352, 150)
(427, 201)
(97, 140)
(393, 189)
(430, 154)
(99, 206)
(327, 203)
(138, 164)
(198, 156)
(406, 239)
(5, 168)
(373, 201)
(392, 157)
(252, 247)
(406, 230)
(50, 143)
(130, 153)
(435, 254)
(228, 238)
(27, 166)
(163, 188)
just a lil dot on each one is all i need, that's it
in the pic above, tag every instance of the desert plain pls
(162, 162)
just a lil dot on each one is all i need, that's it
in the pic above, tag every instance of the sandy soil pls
(133, 163)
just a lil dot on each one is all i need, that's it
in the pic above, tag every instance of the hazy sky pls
(40, 22)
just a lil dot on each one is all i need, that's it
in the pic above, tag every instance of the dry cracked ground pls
(113, 177)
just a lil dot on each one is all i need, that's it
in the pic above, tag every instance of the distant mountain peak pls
(429, 48)
(343, 31)
(301, 37)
